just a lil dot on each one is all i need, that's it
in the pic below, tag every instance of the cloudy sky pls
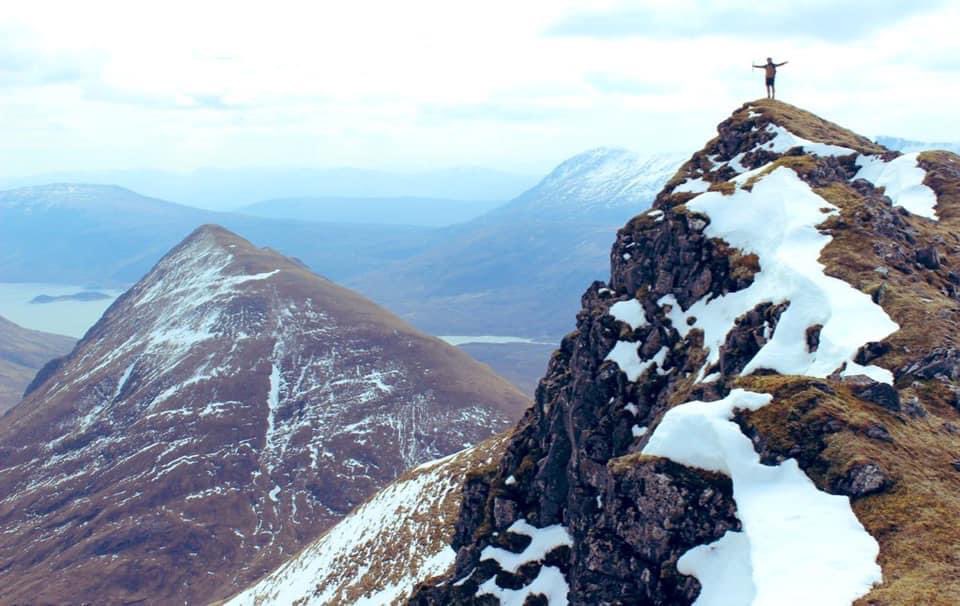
(419, 84)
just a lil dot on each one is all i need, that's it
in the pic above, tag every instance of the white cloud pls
(177, 85)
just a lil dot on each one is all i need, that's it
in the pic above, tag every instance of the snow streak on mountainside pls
(761, 407)
(377, 554)
(224, 411)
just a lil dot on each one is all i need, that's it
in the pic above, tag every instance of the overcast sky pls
(419, 84)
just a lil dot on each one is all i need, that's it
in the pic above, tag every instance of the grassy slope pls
(22, 353)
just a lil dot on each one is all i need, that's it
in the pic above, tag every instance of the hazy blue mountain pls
(230, 189)
(101, 234)
(908, 145)
(520, 269)
(431, 212)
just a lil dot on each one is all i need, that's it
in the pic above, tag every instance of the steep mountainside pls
(377, 554)
(22, 353)
(519, 269)
(224, 411)
(761, 406)
(78, 234)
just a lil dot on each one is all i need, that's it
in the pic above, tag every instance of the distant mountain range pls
(430, 212)
(231, 189)
(908, 145)
(520, 269)
(108, 235)
(517, 269)
(225, 410)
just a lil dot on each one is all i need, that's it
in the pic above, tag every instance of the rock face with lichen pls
(879, 428)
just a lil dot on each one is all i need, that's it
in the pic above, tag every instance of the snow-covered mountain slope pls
(22, 353)
(761, 406)
(600, 184)
(380, 551)
(224, 411)
(909, 145)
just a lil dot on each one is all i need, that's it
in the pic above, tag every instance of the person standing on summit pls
(771, 73)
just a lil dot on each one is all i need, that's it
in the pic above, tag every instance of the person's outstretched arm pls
(759, 66)
(781, 64)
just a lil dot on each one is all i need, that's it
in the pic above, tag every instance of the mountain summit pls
(762, 404)
(598, 185)
(224, 411)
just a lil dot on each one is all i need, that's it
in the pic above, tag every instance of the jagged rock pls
(879, 393)
(877, 431)
(504, 512)
(913, 407)
(871, 351)
(750, 333)
(942, 362)
(863, 479)
(929, 257)
(813, 337)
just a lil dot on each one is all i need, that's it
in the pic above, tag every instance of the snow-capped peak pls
(601, 183)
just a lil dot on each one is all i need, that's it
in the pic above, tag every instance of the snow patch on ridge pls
(798, 545)
(784, 140)
(627, 358)
(692, 186)
(543, 541)
(549, 582)
(630, 312)
(777, 221)
(902, 178)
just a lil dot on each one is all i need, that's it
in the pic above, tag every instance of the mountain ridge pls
(230, 405)
(689, 383)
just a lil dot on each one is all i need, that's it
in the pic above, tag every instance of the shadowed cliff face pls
(789, 259)
(224, 411)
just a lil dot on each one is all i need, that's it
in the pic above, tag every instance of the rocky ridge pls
(791, 303)
(225, 411)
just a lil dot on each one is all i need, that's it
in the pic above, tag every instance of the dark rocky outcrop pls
(576, 459)
(880, 394)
